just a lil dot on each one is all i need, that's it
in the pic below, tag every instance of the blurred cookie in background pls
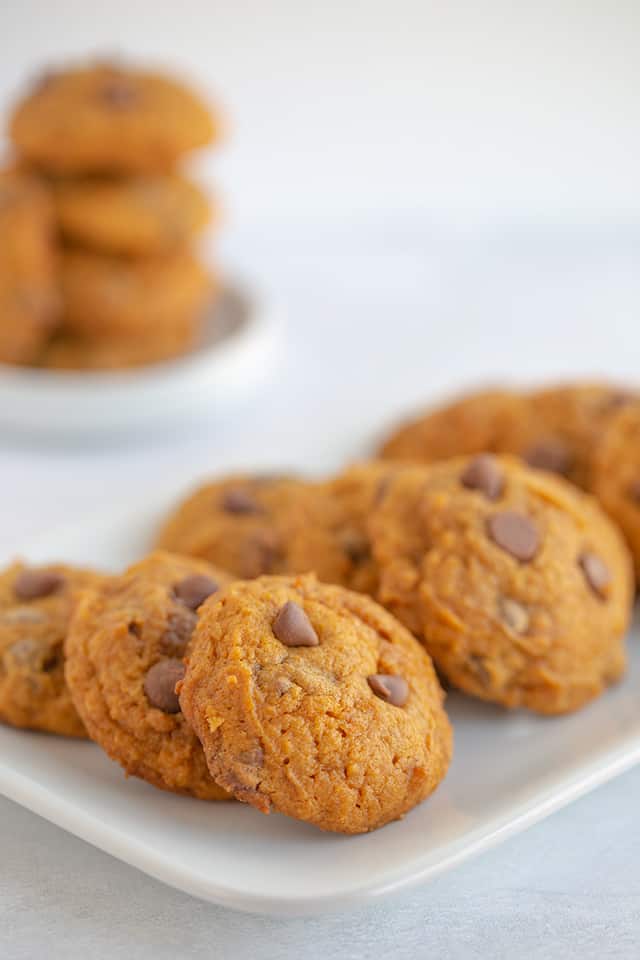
(107, 118)
(28, 295)
(111, 296)
(132, 216)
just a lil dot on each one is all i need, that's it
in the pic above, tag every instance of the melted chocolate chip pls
(180, 625)
(33, 584)
(390, 688)
(550, 454)
(194, 590)
(515, 534)
(160, 685)
(596, 573)
(238, 500)
(293, 627)
(483, 473)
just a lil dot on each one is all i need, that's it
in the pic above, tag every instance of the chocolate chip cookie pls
(130, 216)
(124, 651)
(107, 297)
(248, 524)
(35, 607)
(517, 583)
(68, 351)
(556, 429)
(28, 296)
(109, 119)
(313, 701)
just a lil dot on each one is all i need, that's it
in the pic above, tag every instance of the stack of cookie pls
(107, 143)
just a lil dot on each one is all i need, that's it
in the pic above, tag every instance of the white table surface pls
(376, 319)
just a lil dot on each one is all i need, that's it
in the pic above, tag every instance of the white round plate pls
(234, 355)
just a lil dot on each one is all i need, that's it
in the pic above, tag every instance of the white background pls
(434, 193)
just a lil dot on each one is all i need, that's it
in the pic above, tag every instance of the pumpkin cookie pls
(108, 296)
(517, 583)
(245, 523)
(124, 657)
(108, 119)
(35, 608)
(132, 216)
(572, 418)
(336, 543)
(488, 420)
(313, 701)
(28, 299)
(616, 474)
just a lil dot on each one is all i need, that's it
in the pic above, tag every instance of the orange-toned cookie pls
(313, 701)
(124, 657)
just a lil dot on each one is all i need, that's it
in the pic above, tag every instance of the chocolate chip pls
(293, 627)
(633, 491)
(617, 400)
(484, 474)
(355, 545)
(514, 615)
(238, 500)
(390, 688)
(514, 533)
(33, 584)
(160, 685)
(596, 573)
(118, 93)
(550, 454)
(180, 625)
(194, 590)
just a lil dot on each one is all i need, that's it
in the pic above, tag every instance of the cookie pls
(572, 418)
(313, 701)
(67, 351)
(130, 216)
(248, 524)
(28, 296)
(124, 657)
(616, 474)
(487, 420)
(109, 296)
(353, 494)
(517, 583)
(109, 119)
(555, 429)
(35, 607)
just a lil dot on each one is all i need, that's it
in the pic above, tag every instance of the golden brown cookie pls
(555, 429)
(28, 296)
(518, 584)
(616, 474)
(124, 657)
(68, 351)
(313, 701)
(35, 607)
(486, 420)
(245, 523)
(353, 495)
(572, 419)
(105, 118)
(108, 296)
(132, 216)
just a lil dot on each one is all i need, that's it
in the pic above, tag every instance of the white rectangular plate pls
(509, 771)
